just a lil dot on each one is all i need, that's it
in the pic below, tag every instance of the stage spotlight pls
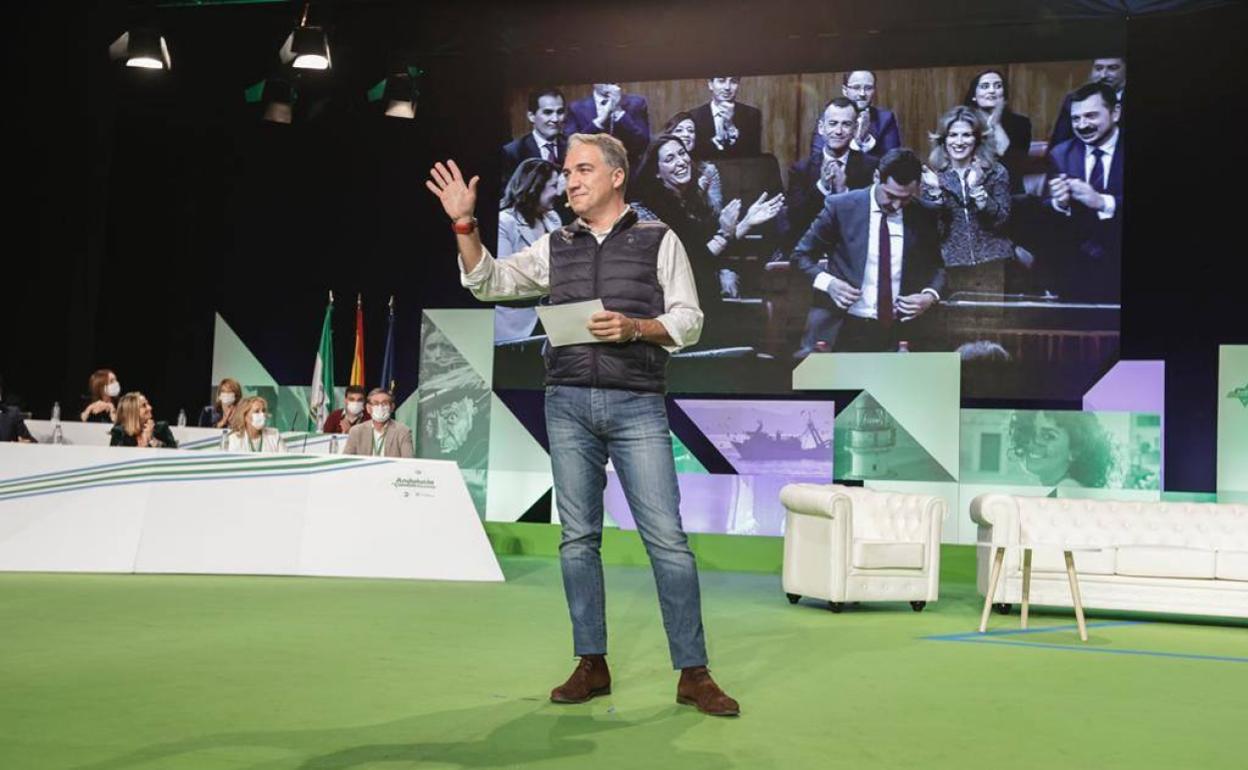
(142, 48)
(306, 48)
(398, 92)
(278, 97)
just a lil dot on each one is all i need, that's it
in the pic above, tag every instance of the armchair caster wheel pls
(836, 606)
(1003, 608)
(918, 606)
(793, 598)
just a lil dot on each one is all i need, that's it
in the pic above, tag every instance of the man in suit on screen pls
(883, 269)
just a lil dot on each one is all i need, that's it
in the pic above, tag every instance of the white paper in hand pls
(568, 324)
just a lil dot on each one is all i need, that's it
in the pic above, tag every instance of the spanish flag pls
(357, 361)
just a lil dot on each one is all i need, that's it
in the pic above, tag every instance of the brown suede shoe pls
(590, 679)
(696, 688)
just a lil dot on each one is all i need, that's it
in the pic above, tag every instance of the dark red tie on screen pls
(1098, 170)
(884, 297)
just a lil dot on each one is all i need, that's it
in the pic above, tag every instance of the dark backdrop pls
(141, 205)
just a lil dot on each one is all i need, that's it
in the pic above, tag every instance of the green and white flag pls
(322, 401)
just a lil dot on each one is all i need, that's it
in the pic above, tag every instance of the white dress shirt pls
(541, 146)
(526, 273)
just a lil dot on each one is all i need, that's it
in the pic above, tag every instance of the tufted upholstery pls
(854, 544)
(1163, 557)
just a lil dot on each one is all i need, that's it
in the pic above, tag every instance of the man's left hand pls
(911, 306)
(1086, 194)
(610, 326)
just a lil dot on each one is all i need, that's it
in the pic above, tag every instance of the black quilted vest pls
(622, 271)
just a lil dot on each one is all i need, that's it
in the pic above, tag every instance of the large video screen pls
(973, 208)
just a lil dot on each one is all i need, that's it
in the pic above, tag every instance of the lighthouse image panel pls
(786, 439)
(871, 445)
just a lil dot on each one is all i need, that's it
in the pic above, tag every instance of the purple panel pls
(790, 439)
(722, 504)
(1132, 386)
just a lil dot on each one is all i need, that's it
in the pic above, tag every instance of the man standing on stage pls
(606, 399)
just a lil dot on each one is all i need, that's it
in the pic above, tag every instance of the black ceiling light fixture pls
(142, 48)
(306, 48)
(399, 92)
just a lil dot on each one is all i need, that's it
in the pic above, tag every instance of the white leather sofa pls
(846, 544)
(1182, 558)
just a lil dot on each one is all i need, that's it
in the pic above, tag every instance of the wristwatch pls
(465, 228)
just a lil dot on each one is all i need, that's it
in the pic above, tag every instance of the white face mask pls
(113, 389)
(381, 413)
(354, 408)
(227, 398)
(257, 419)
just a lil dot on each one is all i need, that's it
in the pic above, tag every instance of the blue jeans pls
(586, 426)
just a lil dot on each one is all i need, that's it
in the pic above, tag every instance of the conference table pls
(81, 507)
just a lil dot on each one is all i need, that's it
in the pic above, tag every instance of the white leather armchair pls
(845, 544)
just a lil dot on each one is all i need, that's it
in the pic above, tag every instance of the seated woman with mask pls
(104, 389)
(135, 426)
(218, 413)
(250, 429)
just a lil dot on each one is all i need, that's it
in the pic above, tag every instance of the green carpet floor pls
(152, 672)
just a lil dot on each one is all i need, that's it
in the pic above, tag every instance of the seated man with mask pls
(380, 436)
(350, 415)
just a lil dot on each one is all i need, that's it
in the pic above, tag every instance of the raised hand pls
(1059, 191)
(762, 210)
(931, 183)
(459, 200)
(729, 215)
(1086, 194)
(864, 126)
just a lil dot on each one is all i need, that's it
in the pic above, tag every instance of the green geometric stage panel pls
(454, 404)
(231, 358)
(870, 444)
(519, 471)
(1233, 423)
(472, 333)
(921, 391)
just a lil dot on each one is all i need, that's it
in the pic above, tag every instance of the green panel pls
(922, 391)
(231, 358)
(739, 553)
(519, 468)
(685, 460)
(870, 444)
(472, 334)
(1233, 422)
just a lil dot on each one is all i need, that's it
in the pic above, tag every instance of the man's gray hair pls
(612, 149)
(382, 392)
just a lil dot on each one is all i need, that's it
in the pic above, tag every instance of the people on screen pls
(682, 125)
(350, 414)
(1063, 449)
(608, 110)
(218, 413)
(665, 188)
(103, 389)
(832, 170)
(877, 130)
(1084, 186)
(250, 429)
(726, 128)
(527, 213)
(969, 191)
(135, 426)
(884, 270)
(380, 435)
(1007, 132)
(547, 112)
(1112, 71)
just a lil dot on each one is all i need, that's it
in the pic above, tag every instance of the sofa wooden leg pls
(793, 598)
(918, 606)
(836, 606)
(1026, 584)
(998, 556)
(1074, 595)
